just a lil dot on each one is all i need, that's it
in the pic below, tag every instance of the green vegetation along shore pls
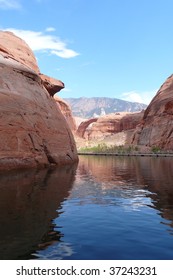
(103, 149)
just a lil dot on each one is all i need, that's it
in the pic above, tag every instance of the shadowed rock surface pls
(66, 111)
(52, 85)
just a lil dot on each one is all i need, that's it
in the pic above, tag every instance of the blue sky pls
(111, 48)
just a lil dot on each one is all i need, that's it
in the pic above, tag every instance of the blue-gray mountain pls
(95, 106)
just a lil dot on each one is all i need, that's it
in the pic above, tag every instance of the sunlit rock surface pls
(32, 128)
(156, 128)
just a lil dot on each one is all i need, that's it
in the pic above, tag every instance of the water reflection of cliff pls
(129, 174)
(28, 203)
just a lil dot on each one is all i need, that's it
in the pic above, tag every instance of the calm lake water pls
(104, 208)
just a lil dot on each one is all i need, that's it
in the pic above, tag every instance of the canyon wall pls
(66, 111)
(33, 131)
(156, 127)
(109, 124)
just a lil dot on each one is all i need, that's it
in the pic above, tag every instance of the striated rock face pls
(66, 111)
(33, 131)
(156, 128)
(110, 124)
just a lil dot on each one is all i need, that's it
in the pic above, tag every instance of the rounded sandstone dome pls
(14, 47)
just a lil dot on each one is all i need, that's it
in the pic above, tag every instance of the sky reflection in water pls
(109, 208)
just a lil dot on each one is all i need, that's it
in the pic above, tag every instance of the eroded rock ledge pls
(33, 131)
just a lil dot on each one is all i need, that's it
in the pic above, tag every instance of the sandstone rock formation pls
(15, 48)
(156, 128)
(66, 111)
(83, 127)
(52, 85)
(110, 124)
(33, 131)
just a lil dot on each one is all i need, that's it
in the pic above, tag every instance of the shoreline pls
(127, 154)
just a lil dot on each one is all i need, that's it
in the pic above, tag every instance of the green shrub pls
(155, 149)
(103, 148)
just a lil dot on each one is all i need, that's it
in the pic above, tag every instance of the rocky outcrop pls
(32, 128)
(83, 127)
(52, 85)
(15, 48)
(111, 124)
(66, 111)
(156, 128)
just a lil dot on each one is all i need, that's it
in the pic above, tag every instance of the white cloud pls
(50, 29)
(141, 97)
(66, 90)
(65, 53)
(132, 96)
(10, 4)
(38, 41)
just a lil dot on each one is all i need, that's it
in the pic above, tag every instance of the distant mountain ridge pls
(88, 107)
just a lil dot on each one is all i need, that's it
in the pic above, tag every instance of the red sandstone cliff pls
(66, 111)
(109, 124)
(156, 128)
(33, 131)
